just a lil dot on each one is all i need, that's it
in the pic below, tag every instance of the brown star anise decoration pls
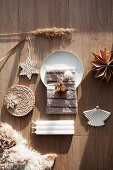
(103, 64)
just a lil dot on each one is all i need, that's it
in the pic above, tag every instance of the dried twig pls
(13, 48)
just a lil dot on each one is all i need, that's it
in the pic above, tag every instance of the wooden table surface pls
(90, 148)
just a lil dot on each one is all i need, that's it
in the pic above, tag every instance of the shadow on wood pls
(93, 152)
(44, 46)
(96, 92)
(14, 121)
(58, 144)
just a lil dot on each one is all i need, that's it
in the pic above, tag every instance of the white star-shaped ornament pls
(96, 116)
(28, 68)
(10, 101)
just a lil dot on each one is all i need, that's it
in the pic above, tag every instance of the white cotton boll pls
(68, 74)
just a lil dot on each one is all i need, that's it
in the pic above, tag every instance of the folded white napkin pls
(66, 102)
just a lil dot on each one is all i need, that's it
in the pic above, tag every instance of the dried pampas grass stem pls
(53, 32)
(47, 32)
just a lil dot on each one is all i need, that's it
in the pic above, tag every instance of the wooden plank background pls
(90, 148)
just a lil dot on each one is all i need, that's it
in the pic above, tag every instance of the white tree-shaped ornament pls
(96, 116)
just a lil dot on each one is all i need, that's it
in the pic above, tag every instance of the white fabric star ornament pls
(96, 116)
(28, 68)
(10, 101)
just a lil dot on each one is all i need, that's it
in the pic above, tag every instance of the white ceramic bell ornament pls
(96, 116)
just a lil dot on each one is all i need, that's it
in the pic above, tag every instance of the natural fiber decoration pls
(53, 32)
(47, 32)
(103, 65)
(19, 101)
(15, 153)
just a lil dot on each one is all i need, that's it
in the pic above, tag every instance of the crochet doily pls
(19, 100)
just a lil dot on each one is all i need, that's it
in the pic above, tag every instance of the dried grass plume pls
(53, 32)
(47, 32)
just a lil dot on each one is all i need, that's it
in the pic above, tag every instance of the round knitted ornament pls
(19, 101)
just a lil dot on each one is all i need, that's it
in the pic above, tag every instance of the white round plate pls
(62, 59)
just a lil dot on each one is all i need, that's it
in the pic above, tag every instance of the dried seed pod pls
(60, 87)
